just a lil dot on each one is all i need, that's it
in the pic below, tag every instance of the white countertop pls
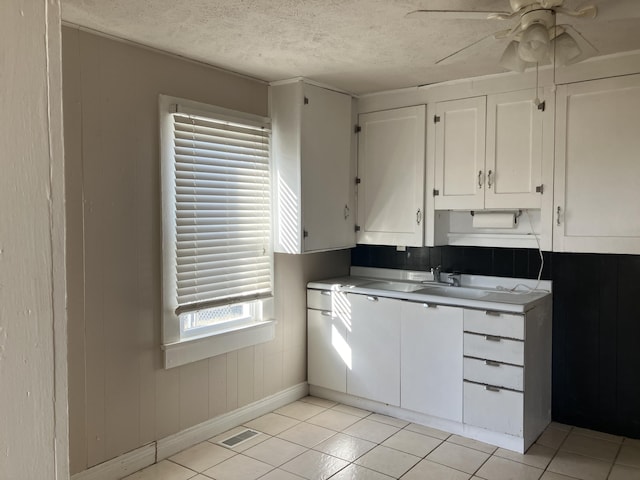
(481, 292)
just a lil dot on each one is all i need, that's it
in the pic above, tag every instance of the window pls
(216, 211)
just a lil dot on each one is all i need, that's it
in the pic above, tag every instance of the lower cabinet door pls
(374, 342)
(494, 408)
(431, 360)
(328, 355)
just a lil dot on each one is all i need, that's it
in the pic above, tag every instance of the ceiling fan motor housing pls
(517, 5)
(545, 17)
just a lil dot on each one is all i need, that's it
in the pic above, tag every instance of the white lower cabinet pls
(431, 360)
(485, 374)
(495, 409)
(507, 380)
(327, 355)
(374, 340)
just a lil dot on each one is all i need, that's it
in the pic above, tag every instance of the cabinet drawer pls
(493, 373)
(494, 348)
(492, 408)
(494, 323)
(319, 299)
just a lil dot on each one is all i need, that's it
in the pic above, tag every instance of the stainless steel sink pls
(453, 292)
(394, 286)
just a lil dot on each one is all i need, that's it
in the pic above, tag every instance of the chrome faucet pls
(452, 279)
(435, 271)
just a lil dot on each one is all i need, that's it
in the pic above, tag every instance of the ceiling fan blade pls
(478, 45)
(588, 11)
(609, 11)
(506, 33)
(461, 15)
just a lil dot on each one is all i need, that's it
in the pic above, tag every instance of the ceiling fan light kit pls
(534, 44)
(511, 59)
(536, 39)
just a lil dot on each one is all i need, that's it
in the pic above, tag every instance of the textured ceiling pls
(360, 46)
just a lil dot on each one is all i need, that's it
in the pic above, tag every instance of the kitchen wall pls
(596, 322)
(120, 397)
(33, 379)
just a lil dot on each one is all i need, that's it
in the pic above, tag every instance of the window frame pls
(221, 337)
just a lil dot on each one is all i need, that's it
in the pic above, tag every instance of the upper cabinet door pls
(597, 176)
(313, 169)
(459, 154)
(327, 173)
(391, 148)
(514, 150)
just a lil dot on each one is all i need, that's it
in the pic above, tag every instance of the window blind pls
(222, 212)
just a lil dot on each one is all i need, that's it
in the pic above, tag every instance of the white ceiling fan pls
(537, 38)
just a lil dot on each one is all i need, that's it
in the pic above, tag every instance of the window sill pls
(188, 351)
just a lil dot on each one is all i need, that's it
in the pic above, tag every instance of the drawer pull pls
(372, 299)
(326, 313)
(491, 363)
(492, 338)
(491, 389)
(325, 292)
(492, 313)
(429, 305)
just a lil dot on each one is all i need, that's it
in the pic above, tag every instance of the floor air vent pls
(238, 438)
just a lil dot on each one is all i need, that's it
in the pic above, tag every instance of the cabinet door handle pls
(480, 179)
(491, 389)
(325, 292)
(492, 313)
(326, 313)
(491, 338)
(372, 299)
(429, 305)
(491, 363)
(489, 178)
(558, 215)
(346, 212)
(419, 216)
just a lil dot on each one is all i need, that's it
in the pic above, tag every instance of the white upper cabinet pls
(597, 177)
(514, 150)
(391, 149)
(489, 152)
(313, 172)
(460, 154)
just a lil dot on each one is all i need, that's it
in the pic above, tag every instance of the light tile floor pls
(315, 439)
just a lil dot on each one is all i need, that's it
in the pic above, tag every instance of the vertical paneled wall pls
(120, 396)
(596, 322)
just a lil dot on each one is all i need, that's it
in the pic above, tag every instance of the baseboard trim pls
(121, 466)
(199, 433)
(142, 457)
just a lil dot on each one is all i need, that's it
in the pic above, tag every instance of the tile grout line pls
(616, 457)
(556, 453)
(396, 426)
